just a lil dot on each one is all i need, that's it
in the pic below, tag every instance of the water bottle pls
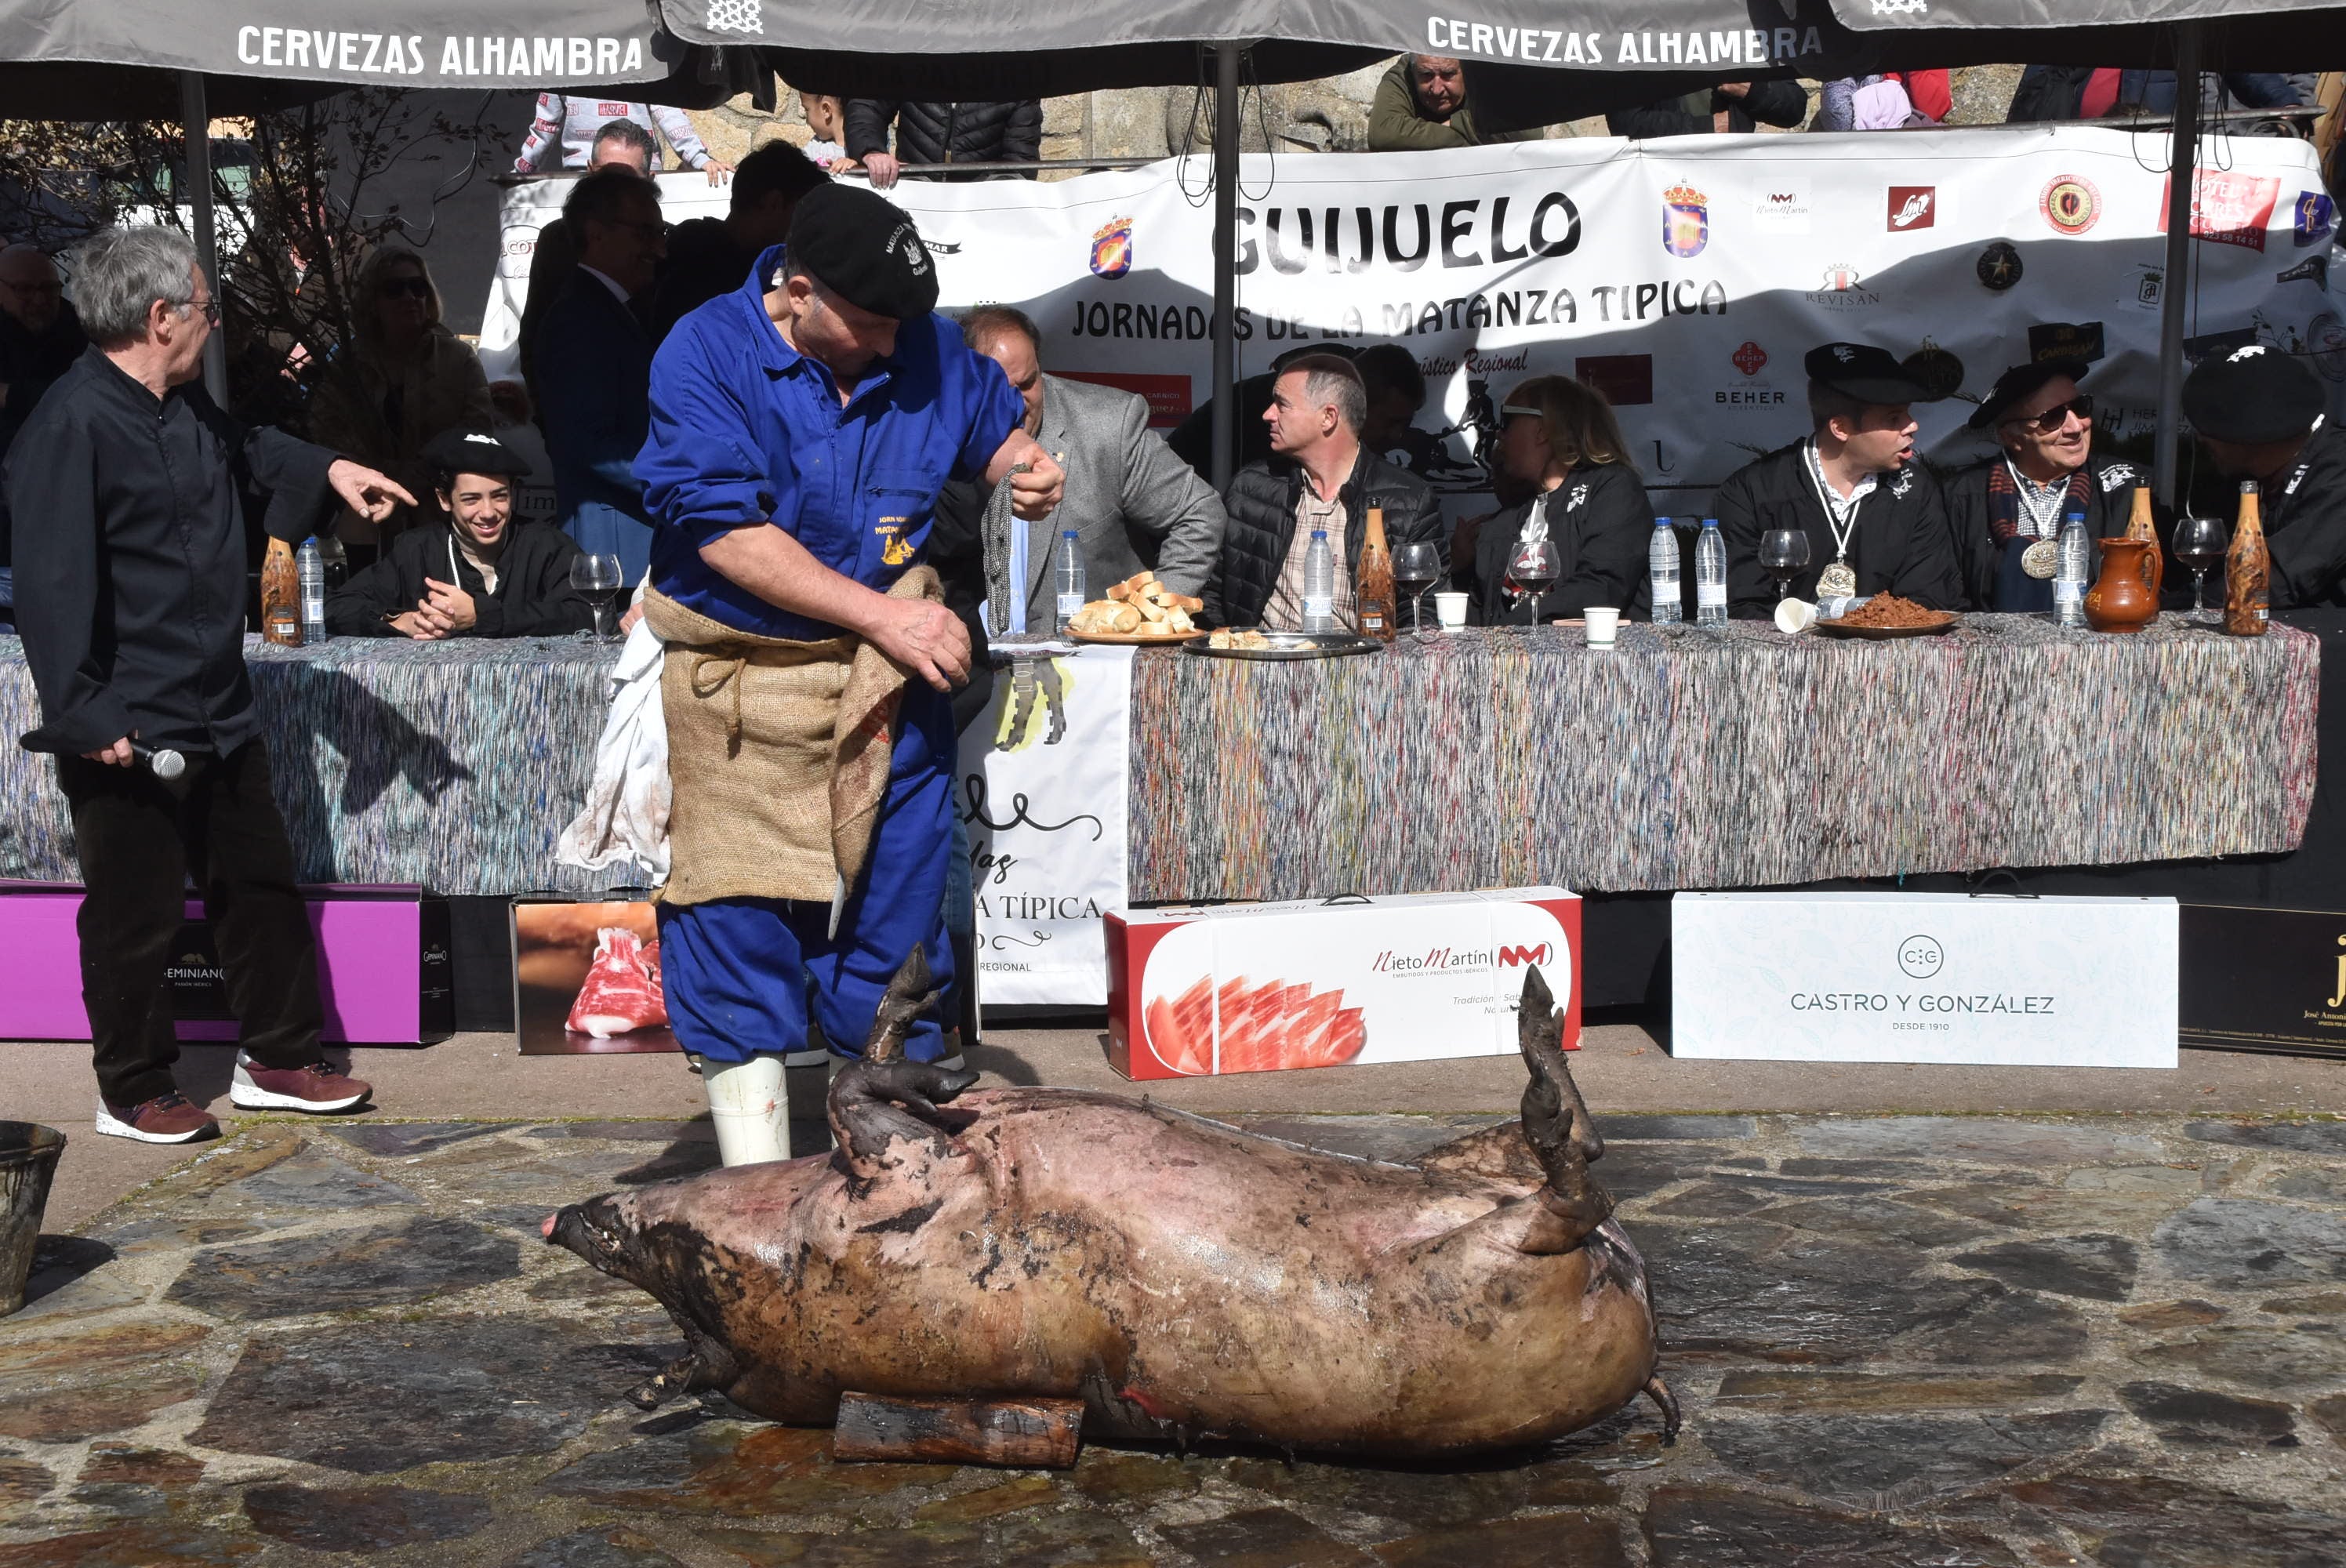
(2070, 586)
(1710, 575)
(1318, 584)
(1662, 569)
(310, 568)
(1071, 579)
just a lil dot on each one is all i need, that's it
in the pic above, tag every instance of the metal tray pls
(1289, 646)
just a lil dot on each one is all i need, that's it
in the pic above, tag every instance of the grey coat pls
(1132, 502)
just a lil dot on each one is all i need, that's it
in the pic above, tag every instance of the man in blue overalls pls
(801, 428)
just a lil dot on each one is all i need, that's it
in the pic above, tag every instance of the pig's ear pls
(908, 995)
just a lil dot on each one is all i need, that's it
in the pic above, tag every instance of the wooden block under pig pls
(1020, 1434)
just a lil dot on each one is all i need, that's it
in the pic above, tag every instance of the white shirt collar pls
(608, 281)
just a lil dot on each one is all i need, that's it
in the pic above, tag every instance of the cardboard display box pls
(1923, 977)
(2264, 979)
(1243, 988)
(382, 966)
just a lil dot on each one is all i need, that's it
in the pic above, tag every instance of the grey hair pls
(118, 273)
(1329, 380)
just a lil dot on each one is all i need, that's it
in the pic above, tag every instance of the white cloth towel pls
(626, 816)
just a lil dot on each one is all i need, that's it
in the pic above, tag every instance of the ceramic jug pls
(2121, 600)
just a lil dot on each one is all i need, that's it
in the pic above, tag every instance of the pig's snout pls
(591, 1229)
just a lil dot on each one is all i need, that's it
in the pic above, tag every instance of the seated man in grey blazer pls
(1132, 502)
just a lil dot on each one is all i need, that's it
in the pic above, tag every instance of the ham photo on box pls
(587, 979)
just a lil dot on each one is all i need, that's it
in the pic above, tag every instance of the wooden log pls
(1022, 1434)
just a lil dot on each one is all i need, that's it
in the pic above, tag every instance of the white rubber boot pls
(750, 1102)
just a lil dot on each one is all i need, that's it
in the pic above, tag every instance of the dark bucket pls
(28, 1159)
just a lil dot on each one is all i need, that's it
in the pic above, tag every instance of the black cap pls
(864, 249)
(2251, 395)
(1864, 373)
(471, 452)
(2020, 383)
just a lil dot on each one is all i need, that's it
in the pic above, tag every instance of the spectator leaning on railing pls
(1421, 106)
(576, 122)
(1735, 108)
(926, 132)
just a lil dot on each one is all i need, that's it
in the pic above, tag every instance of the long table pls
(1681, 758)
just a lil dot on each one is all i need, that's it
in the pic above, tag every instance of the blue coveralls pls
(748, 433)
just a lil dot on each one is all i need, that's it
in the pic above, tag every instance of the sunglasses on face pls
(208, 308)
(413, 287)
(2054, 418)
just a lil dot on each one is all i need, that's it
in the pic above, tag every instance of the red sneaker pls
(166, 1119)
(315, 1087)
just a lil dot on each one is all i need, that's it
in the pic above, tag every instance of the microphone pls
(167, 763)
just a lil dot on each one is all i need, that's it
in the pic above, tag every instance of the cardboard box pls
(382, 966)
(1923, 977)
(1243, 988)
(2264, 979)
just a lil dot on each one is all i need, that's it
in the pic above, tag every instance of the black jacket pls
(533, 599)
(1770, 103)
(1602, 526)
(1899, 543)
(28, 364)
(2109, 501)
(1009, 132)
(704, 261)
(1261, 502)
(130, 557)
(2304, 513)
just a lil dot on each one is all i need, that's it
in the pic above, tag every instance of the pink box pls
(382, 966)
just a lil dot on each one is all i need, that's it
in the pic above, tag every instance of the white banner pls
(1041, 789)
(1686, 277)
(1924, 977)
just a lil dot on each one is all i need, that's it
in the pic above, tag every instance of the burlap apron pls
(777, 753)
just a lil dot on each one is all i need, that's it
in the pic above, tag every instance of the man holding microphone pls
(802, 427)
(131, 584)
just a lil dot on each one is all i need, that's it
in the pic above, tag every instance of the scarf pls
(2003, 500)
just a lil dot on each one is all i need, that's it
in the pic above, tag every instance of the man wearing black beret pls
(802, 428)
(2007, 511)
(2260, 412)
(479, 572)
(1874, 518)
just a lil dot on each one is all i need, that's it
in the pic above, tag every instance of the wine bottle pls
(1372, 596)
(281, 595)
(2247, 571)
(2139, 525)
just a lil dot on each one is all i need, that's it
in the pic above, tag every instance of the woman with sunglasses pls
(2006, 512)
(400, 380)
(1559, 435)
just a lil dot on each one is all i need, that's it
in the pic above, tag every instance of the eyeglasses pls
(210, 309)
(413, 288)
(2054, 418)
(1509, 411)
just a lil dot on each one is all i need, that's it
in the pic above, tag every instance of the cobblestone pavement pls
(1959, 1340)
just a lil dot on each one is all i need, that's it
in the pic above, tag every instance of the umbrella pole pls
(195, 115)
(2175, 292)
(1226, 278)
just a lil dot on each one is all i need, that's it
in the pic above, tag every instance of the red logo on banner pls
(1168, 396)
(2228, 208)
(1751, 359)
(1516, 957)
(1914, 206)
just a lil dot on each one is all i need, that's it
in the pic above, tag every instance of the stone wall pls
(1331, 115)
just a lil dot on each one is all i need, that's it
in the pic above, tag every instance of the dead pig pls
(1182, 1278)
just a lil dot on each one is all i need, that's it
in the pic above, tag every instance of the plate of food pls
(1247, 642)
(1887, 616)
(1140, 609)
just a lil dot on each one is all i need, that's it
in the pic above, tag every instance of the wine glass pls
(1535, 566)
(1417, 568)
(2199, 544)
(597, 578)
(1784, 550)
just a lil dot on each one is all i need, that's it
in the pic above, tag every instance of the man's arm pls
(363, 606)
(57, 592)
(866, 126)
(1660, 119)
(1777, 103)
(681, 137)
(920, 634)
(1750, 591)
(1930, 576)
(1022, 139)
(543, 131)
(1166, 501)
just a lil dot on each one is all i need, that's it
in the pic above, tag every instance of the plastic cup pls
(1449, 609)
(1604, 625)
(1794, 616)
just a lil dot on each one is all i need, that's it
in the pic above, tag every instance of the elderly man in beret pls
(802, 428)
(1875, 521)
(2007, 511)
(2260, 415)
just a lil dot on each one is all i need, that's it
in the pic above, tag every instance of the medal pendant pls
(2041, 560)
(1836, 582)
